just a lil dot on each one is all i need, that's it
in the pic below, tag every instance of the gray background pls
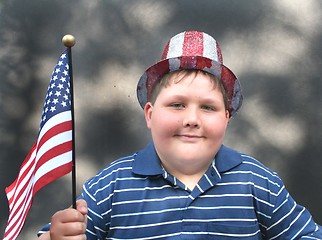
(273, 46)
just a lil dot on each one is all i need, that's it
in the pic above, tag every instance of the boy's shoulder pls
(121, 167)
(133, 165)
(249, 165)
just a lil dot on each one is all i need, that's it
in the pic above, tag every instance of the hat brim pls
(158, 70)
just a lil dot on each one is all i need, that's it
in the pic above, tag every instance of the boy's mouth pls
(189, 137)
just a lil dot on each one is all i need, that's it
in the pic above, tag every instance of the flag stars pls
(63, 79)
(58, 93)
(53, 108)
(58, 96)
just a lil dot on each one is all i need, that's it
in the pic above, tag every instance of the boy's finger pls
(81, 206)
(68, 215)
(68, 224)
(72, 230)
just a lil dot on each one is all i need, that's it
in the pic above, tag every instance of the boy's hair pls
(164, 82)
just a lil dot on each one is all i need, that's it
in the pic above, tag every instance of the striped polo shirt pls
(238, 197)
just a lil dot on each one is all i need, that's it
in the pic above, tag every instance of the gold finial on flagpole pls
(69, 40)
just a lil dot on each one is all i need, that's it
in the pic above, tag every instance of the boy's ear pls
(227, 116)
(148, 109)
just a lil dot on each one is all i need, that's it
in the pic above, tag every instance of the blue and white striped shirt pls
(238, 197)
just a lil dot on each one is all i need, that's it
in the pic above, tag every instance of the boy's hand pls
(70, 223)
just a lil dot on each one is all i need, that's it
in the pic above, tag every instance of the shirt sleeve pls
(43, 229)
(97, 224)
(290, 220)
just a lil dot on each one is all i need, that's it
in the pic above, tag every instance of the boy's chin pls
(193, 161)
(191, 152)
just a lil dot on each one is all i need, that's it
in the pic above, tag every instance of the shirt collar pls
(227, 159)
(147, 162)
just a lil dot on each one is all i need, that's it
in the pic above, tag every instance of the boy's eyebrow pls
(202, 98)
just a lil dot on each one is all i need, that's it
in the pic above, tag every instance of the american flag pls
(51, 155)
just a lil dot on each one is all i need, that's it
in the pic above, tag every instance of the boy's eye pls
(208, 108)
(177, 105)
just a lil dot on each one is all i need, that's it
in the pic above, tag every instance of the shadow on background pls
(279, 123)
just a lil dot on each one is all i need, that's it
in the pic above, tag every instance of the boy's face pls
(188, 122)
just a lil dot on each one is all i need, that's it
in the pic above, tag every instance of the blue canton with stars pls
(58, 98)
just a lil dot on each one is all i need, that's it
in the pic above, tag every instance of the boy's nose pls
(191, 119)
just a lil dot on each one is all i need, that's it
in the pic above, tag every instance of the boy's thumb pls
(81, 206)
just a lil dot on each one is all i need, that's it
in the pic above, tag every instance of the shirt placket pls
(208, 180)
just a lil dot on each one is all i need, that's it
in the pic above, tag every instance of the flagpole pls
(69, 42)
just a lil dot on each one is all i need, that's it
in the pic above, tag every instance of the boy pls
(186, 184)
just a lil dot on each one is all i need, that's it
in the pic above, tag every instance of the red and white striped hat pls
(191, 50)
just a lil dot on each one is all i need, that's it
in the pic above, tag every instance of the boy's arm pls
(67, 223)
(290, 220)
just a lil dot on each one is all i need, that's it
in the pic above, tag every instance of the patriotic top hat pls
(191, 50)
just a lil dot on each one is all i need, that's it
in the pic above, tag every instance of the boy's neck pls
(190, 179)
